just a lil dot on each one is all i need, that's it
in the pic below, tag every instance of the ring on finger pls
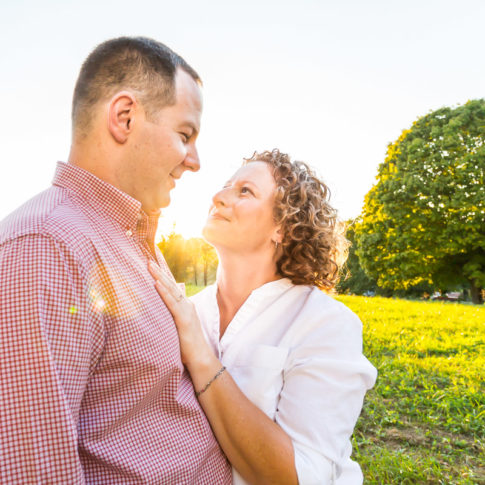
(179, 297)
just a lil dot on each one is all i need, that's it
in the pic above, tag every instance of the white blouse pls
(296, 353)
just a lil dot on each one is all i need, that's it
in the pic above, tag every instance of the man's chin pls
(164, 201)
(164, 204)
(155, 206)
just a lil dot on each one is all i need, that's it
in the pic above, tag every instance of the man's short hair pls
(138, 64)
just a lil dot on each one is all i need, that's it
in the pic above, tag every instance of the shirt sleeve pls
(325, 382)
(50, 335)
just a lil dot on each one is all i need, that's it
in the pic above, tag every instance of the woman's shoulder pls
(321, 318)
(327, 307)
(327, 330)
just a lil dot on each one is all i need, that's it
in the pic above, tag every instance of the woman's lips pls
(216, 215)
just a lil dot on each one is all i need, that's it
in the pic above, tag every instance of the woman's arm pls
(254, 444)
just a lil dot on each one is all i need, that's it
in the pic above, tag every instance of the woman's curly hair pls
(313, 246)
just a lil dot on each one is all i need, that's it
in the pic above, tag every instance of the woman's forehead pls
(259, 173)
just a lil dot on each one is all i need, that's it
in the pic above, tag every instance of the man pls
(93, 389)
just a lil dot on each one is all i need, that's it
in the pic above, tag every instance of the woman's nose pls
(220, 198)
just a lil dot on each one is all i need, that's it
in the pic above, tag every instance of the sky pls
(331, 83)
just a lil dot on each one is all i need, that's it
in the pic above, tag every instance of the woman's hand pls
(194, 349)
(254, 444)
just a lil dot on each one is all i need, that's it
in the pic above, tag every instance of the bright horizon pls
(331, 84)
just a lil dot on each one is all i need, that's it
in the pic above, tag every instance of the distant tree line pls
(190, 260)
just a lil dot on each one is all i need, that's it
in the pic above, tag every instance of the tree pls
(202, 256)
(208, 257)
(193, 256)
(424, 219)
(173, 248)
(354, 279)
(186, 258)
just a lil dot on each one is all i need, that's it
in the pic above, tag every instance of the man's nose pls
(192, 161)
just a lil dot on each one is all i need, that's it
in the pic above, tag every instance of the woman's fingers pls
(193, 346)
(166, 288)
(158, 274)
(161, 277)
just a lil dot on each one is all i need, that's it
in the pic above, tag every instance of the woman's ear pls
(121, 115)
(277, 235)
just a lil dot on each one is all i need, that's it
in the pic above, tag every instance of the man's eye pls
(185, 137)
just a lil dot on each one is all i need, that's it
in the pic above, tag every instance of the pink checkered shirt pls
(92, 387)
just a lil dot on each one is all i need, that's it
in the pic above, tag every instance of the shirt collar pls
(273, 288)
(106, 199)
(259, 299)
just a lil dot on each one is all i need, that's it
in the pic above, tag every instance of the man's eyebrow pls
(191, 126)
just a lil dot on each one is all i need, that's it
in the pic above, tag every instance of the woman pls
(277, 364)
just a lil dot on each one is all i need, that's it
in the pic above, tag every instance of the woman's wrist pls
(216, 375)
(202, 368)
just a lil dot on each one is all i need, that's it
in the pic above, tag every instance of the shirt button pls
(129, 233)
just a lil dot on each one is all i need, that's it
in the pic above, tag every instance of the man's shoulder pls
(52, 213)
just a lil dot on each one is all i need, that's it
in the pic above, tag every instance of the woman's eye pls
(185, 137)
(245, 190)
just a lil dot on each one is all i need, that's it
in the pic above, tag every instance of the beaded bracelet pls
(219, 372)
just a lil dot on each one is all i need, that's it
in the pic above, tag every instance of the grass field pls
(424, 421)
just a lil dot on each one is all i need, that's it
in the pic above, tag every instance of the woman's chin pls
(208, 233)
(215, 236)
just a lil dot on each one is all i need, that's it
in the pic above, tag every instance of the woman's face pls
(241, 214)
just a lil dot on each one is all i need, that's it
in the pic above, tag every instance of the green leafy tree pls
(424, 219)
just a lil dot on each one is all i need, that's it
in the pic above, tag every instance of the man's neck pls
(91, 157)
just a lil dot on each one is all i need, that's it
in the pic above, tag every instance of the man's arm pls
(48, 336)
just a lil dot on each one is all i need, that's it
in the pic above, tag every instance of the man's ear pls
(121, 115)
